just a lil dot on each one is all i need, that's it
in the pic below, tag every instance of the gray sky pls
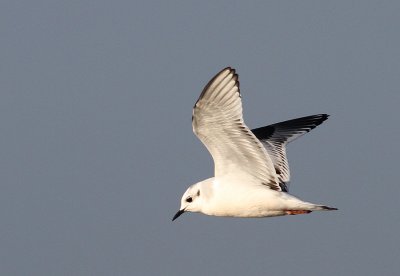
(97, 144)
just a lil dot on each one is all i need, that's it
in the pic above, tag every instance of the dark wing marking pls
(275, 137)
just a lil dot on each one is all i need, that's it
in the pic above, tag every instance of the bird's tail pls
(316, 207)
(307, 208)
(295, 204)
(324, 208)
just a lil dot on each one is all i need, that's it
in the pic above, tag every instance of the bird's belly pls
(256, 202)
(248, 213)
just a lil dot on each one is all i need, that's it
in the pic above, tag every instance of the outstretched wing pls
(275, 137)
(218, 123)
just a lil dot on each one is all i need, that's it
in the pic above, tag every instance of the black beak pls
(180, 212)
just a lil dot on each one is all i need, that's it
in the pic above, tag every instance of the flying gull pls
(251, 168)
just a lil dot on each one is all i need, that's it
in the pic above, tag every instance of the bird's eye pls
(189, 199)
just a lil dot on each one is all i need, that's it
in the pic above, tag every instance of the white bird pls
(251, 169)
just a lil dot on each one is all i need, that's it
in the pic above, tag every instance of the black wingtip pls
(213, 79)
(304, 124)
(323, 116)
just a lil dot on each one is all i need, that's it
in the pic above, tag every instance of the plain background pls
(97, 145)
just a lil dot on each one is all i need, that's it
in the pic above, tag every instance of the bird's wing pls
(275, 137)
(218, 122)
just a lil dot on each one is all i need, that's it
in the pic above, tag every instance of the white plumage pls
(251, 168)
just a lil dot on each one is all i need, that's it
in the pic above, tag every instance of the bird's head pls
(191, 201)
